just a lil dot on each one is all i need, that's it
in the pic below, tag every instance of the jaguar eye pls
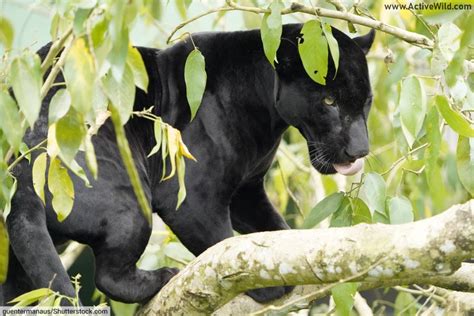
(329, 101)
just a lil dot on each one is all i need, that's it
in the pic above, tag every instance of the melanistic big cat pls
(246, 108)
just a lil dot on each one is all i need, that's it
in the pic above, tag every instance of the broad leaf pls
(323, 209)
(465, 162)
(404, 305)
(61, 187)
(343, 295)
(181, 167)
(31, 297)
(70, 131)
(313, 50)
(140, 75)
(6, 33)
(39, 175)
(333, 46)
(412, 108)
(59, 106)
(195, 77)
(400, 210)
(454, 119)
(158, 127)
(121, 93)
(343, 216)
(79, 74)
(374, 191)
(91, 159)
(271, 30)
(360, 212)
(10, 121)
(26, 81)
(432, 170)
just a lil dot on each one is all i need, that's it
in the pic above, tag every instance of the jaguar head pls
(332, 117)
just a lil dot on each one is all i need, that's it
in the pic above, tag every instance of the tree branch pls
(429, 248)
(461, 280)
(410, 37)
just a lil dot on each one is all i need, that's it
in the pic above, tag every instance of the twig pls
(54, 50)
(54, 72)
(17, 160)
(361, 306)
(410, 37)
(325, 289)
(403, 158)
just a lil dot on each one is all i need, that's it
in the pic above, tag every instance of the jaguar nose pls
(356, 154)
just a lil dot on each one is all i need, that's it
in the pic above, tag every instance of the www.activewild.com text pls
(428, 6)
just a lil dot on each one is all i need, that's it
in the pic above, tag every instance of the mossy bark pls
(376, 255)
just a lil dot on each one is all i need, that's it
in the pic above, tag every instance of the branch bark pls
(376, 255)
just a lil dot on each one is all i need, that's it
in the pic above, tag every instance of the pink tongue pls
(348, 169)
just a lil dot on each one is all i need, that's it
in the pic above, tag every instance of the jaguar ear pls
(287, 56)
(365, 41)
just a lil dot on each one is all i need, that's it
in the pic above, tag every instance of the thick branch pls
(427, 248)
(461, 280)
(410, 37)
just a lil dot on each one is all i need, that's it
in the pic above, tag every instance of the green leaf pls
(374, 191)
(360, 212)
(91, 159)
(78, 171)
(333, 46)
(465, 162)
(59, 106)
(343, 295)
(70, 131)
(4, 244)
(449, 35)
(135, 61)
(158, 135)
(127, 159)
(8, 186)
(343, 216)
(181, 167)
(79, 74)
(195, 77)
(432, 170)
(173, 135)
(32, 296)
(323, 209)
(271, 30)
(313, 50)
(6, 33)
(400, 210)
(10, 122)
(39, 175)
(412, 106)
(61, 187)
(118, 54)
(454, 119)
(404, 305)
(26, 81)
(121, 93)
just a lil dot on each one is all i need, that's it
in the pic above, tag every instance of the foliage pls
(420, 126)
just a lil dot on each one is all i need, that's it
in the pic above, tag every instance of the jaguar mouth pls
(349, 168)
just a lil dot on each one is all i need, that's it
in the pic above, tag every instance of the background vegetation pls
(420, 125)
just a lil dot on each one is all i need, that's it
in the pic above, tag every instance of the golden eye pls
(329, 101)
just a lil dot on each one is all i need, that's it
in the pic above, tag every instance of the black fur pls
(246, 108)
